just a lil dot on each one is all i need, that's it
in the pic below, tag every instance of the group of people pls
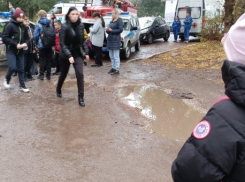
(67, 41)
(176, 26)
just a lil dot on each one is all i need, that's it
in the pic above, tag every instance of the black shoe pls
(85, 63)
(112, 70)
(58, 93)
(116, 72)
(81, 101)
(56, 73)
(48, 77)
(95, 65)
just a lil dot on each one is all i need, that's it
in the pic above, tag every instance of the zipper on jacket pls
(19, 39)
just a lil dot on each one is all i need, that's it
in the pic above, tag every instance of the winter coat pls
(97, 33)
(31, 44)
(39, 31)
(215, 152)
(176, 25)
(14, 33)
(71, 42)
(57, 41)
(114, 36)
(188, 22)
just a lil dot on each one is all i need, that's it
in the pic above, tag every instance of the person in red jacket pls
(57, 26)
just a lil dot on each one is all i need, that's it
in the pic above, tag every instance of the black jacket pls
(72, 41)
(220, 156)
(31, 44)
(14, 33)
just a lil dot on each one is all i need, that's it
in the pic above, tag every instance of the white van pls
(198, 9)
(61, 9)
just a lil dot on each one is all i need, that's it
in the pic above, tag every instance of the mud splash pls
(168, 117)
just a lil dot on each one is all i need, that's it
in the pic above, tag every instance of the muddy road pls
(131, 129)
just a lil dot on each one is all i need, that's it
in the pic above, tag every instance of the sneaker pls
(40, 77)
(112, 70)
(6, 83)
(116, 72)
(24, 89)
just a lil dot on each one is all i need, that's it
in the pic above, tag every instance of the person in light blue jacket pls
(97, 35)
(188, 25)
(176, 28)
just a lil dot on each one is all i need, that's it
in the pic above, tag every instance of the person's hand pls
(108, 29)
(34, 52)
(87, 57)
(19, 46)
(71, 60)
(24, 45)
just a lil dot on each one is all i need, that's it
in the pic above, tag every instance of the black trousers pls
(28, 64)
(98, 55)
(45, 57)
(64, 68)
(57, 62)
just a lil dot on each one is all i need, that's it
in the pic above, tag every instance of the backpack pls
(48, 37)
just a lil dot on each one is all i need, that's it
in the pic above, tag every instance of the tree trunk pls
(229, 17)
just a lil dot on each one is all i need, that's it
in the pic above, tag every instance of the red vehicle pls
(105, 6)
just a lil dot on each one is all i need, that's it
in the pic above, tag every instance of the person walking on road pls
(97, 34)
(15, 36)
(44, 37)
(187, 28)
(57, 25)
(114, 41)
(176, 28)
(215, 152)
(73, 49)
(29, 53)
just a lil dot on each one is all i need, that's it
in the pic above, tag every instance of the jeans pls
(57, 62)
(15, 63)
(187, 33)
(176, 34)
(45, 55)
(115, 58)
(64, 68)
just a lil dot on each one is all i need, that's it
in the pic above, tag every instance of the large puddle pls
(168, 117)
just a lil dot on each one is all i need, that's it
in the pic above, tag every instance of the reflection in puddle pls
(171, 118)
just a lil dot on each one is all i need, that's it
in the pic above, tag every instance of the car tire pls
(166, 36)
(127, 52)
(137, 46)
(150, 38)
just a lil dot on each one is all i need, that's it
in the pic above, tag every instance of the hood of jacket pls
(233, 75)
(44, 21)
(13, 20)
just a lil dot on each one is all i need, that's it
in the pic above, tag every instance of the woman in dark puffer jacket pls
(215, 152)
(73, 48)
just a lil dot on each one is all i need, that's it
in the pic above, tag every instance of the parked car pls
(4, 19)
(130, 37)
(153, 28)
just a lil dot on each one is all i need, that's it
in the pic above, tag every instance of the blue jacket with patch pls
(188, 22)
(176, 25)
(39, 31)
(217, 153)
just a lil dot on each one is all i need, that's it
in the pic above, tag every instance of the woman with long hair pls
(114, 41)
(73, 48)
(97, 34)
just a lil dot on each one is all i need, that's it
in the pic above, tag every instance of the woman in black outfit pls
(73, 48)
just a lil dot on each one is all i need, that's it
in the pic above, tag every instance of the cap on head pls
(234, 42)
(19, 13)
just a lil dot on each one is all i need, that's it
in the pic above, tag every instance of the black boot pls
(58, 93)
(81, 101)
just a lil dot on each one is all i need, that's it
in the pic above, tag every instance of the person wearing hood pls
(45, 53)
(97, 34)
(215, 152)
(15, 37)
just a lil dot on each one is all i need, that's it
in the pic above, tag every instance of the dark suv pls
(153, 28)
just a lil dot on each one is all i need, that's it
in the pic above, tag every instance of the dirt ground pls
(131, 129)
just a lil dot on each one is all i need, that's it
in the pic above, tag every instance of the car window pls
(157, 23)
(195, 12)
(55, 10)
(133, 23)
